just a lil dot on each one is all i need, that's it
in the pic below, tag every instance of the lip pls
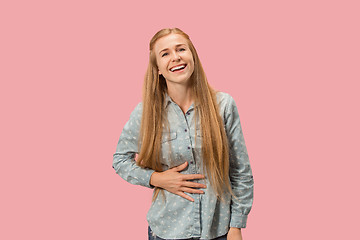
(178, 65)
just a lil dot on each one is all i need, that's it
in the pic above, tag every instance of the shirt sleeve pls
(124, 158)
(240, 172)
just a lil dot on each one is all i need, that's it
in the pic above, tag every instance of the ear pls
(159, 72)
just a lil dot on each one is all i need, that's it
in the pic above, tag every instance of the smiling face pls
(174, 59)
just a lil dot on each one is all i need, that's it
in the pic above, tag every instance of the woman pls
(190, 148)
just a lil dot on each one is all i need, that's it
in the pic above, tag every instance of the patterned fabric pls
(175, 217)
(152, 236)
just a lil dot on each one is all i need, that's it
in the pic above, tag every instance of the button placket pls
(188, 137)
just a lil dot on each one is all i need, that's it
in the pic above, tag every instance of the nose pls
(176, 56)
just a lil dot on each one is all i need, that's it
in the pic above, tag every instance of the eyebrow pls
(177, 45)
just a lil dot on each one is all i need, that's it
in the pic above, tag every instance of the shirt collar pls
(168, 100)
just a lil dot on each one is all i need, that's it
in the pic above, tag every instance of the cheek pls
(191, 60)
(162, 65)
(192, 65)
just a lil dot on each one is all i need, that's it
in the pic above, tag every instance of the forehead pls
(169, 41)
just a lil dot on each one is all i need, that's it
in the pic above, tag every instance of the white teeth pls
(178, 67)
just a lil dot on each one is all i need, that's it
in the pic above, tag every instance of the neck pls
(181, 95)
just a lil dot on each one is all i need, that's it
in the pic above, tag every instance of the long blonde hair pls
(214, 147)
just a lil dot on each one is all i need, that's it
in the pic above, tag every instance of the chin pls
(178, 81)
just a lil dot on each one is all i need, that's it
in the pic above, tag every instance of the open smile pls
(178, 68)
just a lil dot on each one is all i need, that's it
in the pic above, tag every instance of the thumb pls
(181, 167)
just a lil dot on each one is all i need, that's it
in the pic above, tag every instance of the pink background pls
(72, 71)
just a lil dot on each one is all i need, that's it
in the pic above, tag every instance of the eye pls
(163, 54)
(182, 49)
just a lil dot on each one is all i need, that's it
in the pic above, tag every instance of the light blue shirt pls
(178, 218)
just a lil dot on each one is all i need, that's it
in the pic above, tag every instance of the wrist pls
(235, 229)
(153, 179)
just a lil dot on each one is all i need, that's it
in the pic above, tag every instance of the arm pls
(175, 182)
(240, 173)
(234, 234)
(125, 165)
(124, 157)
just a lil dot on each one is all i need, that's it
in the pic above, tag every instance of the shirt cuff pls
(146, 178)
(239, 221)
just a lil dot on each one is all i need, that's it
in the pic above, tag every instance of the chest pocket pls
(197, 139)
(168, 156)
(166, 136)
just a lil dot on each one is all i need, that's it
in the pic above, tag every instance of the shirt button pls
(191, 162)
(185, 130)
(188, 147)
(188, 113)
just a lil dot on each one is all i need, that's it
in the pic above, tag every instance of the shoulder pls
(139, 107)
(137, 112)
(227, 107)
(225, 100)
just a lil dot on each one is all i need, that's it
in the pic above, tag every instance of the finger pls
(193, 176)
(181, 194)
(180, 167)
(191, 190)
(193, 185)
